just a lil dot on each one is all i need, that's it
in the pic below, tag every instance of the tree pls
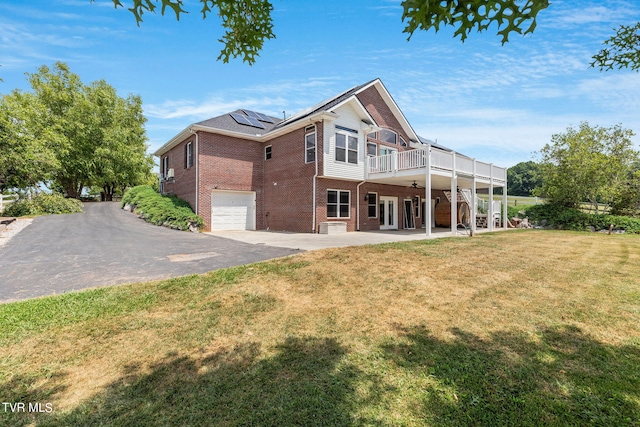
(120, 158)
(511, 16)
(623, 50)
(68, 113)
(591, 164)
(26, 153)
(247, 23)
(97, 137)
(523, 178)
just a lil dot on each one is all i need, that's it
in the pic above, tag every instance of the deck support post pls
(490, 216)
(454, 196)
(426, 215)
(505, 212)
(474, 200)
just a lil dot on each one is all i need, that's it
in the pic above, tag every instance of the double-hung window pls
(310, 144)
(267, 152)
(165, 167)
(338, 204)
(372, 199)
(346, 148)
(188, 155)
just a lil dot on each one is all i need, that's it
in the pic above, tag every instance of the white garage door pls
(233, 210)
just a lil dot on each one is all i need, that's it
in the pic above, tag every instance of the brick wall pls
(288, 183)
(380, 111)
(366, 223)
(228, 163)
(183, 185)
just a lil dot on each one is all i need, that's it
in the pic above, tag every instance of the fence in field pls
(7, 200)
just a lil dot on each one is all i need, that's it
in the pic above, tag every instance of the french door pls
(388, 213)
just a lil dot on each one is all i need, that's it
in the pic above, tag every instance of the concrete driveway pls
(105, 246)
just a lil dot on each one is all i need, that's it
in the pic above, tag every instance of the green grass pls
(523, 328)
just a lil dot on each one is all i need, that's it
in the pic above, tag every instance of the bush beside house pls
(168, 211)
(43, 204)
(573, 219)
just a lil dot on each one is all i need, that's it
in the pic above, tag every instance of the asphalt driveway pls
(105, 246)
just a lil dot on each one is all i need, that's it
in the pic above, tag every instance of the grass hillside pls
(523, 328)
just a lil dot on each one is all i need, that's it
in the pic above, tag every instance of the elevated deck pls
(403, 167)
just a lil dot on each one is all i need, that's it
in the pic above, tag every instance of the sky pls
(497, 103)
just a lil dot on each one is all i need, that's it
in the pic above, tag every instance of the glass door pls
(388, 213)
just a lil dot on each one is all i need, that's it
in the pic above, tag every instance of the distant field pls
(518, 328)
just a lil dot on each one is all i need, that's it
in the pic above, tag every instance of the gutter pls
(358, 205)
(315, 179)
(197, 161)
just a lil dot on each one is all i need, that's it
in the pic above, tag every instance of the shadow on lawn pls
(559, 377)
(300, 385)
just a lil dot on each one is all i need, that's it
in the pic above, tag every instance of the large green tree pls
(589, 164)
(120, 158)
(27, 147)
(248, 23)
(523, 178)
(95, 136)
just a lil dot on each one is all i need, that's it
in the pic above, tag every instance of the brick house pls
(352, 160)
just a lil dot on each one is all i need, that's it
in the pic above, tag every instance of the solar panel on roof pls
(244, 120)
(251, 114)
(259, 116)
(264, 118)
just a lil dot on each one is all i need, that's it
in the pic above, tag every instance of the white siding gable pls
(349, 118)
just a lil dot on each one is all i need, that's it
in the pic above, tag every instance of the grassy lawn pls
(522, 328)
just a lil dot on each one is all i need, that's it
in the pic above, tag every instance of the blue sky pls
(497, 103)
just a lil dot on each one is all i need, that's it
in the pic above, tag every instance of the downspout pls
(358, 204)
(315, 178)
(197, 161)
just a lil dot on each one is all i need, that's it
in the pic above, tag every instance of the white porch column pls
(474, 200)
(426, 214)
(454, 196)
(490, 222)
(505, 211)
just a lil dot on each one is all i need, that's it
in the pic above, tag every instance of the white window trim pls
(310, 130)
(388, 130)
(189, 154)
(165, 166)
(372, 143)
(338, 204)
(270, 152)
(377, 205)
(418, 205)
(346, 148)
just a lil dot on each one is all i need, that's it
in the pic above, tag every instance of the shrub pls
(169, 211)
(573, 219)
(43, 204)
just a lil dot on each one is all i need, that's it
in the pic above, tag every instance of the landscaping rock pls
(590, 228)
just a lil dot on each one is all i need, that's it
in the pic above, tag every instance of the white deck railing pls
(440, 160)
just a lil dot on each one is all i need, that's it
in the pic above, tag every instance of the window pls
(403, 142)
(346, 148)
(165, 166)
(310, 144)
(416, 205)
(389, 136)
(267, 152)
(372, 198)
(372, 149)
(188, 155)
(373, 135)
(338, 205)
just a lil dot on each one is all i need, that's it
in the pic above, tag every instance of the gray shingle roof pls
(227, 122)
